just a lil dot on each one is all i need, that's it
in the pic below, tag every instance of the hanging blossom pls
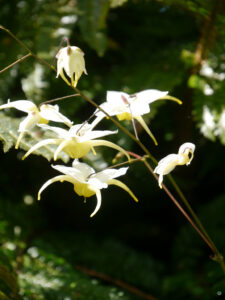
(87, 182)
(36, 115)
(77, 141)
(128, 107)
(168, 163)
(70, 60)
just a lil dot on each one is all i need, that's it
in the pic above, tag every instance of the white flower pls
(126, 107)
(168, 163)
(77, 141)
(35, 115)
(209, 125)
(71, 60)
(87, 182)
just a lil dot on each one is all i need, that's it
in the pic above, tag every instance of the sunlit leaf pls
(9, 134)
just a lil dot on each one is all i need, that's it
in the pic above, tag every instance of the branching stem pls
(59, 99)
(15, 62)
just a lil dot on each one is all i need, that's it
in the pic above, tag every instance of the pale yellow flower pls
(87, 182)
(77, 141)
(126, 106)
(168, 163)
(70, 60)
(36, 115)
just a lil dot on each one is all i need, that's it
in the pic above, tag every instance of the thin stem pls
(117, 282)
(58, 99)
(217, 255)
(15, 62)
(26, 48)
(134, 127)
(183, 198)
(180, 208)
(126, 163)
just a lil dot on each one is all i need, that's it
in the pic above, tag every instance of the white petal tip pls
(92, 215)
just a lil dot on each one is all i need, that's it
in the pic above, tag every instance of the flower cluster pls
(77, 140)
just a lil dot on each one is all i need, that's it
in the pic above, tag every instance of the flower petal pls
(167, 164)
(115, 98)
(50, 112)
(23, 105)
(29, 122)
(21, 135)
(79, 171)
(96, 143)
(62, 133)
(106, 175)
(184, 147)
(150, 95)
(123, 186)
(41, 144)
(99, 202)
(64, 77)
(144, 125)
(168, 97)
(54, 179)
(60, 148)
(100, 116)
(160, 180)
(139, 108)
(90, 135)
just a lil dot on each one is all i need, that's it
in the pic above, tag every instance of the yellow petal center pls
(124, 116)
(77, 150)
(83, 189)
(43, 121)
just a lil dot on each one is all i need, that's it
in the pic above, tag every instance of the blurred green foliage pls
(173, 45)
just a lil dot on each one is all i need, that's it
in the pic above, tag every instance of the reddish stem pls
(175, 202)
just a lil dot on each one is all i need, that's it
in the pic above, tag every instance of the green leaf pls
(9, 135)
(92, 23)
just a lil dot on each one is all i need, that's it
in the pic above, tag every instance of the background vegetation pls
(52, 249)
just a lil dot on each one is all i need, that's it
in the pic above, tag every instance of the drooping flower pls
(36, 115)
(87, 182)
(71, 60)
(168, 163)
(126, 106)
(77, 141)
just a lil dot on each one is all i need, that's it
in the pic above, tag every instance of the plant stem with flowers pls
(86, 181)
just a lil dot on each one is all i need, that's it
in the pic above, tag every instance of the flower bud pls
(71, 61)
